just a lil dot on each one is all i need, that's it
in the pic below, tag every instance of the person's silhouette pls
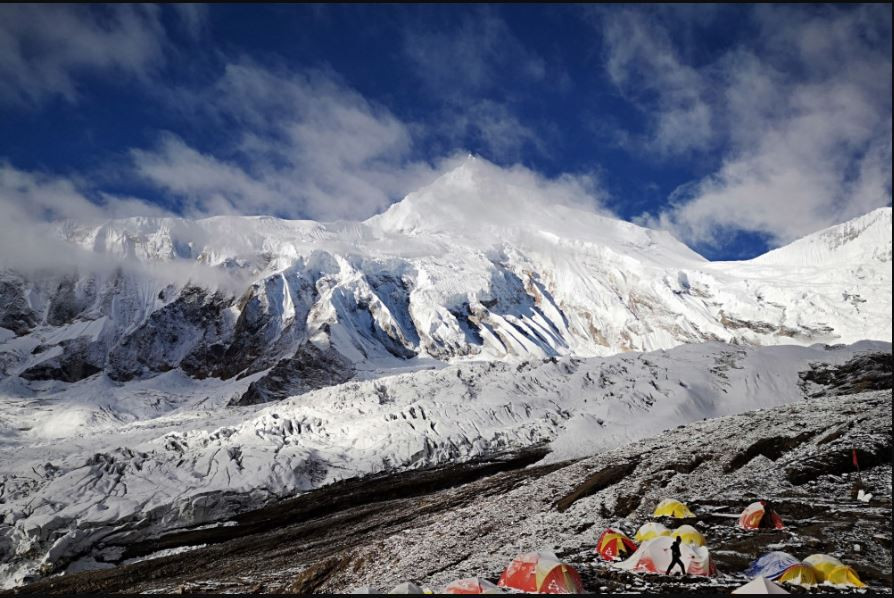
(675, 557)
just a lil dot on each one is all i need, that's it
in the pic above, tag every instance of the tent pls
(654, 556)
(760, 585)
(844, 576)
(650, 530)
(689, 535)
(771, 565)
(799, 574)
(472, 585)
(670, 507)
(823, 563)
(408, 587)
(756, 514)
(365, 590)
(613, 545)
(541, 572)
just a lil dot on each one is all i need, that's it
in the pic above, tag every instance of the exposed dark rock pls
(772, 448)
(837, 459)
(600, 480)
(310, 368)
(184, 331)
(80, 359)
(15, 313)
(871, 371)
(258, 342)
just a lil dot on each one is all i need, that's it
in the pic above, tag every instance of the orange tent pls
(543, 573)
(472, 585)
(613, 545)
(755, 513)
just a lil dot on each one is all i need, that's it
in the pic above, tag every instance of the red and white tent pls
(753, 516)
(541, 573)
(654, 556)
(613, 545)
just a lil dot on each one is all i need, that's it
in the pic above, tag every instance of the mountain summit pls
(484, 204)
(483, 263)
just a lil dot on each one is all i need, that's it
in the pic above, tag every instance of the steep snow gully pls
(170, 373)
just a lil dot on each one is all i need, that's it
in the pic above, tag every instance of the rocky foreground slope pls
(798, 455)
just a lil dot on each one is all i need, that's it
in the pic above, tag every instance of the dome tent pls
(408, 587)
(364, 590)
(614, 545)
(671, 507)
(823, 564)
(771, 565)
(760, 585)
(844, 576)
(801, 575)
(654, 556)
(757, 516)
(650, 530)
(689, 535)
(543, 573)
(472, 585)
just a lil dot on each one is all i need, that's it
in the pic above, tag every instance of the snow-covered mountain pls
(481, 314)
(478, 265)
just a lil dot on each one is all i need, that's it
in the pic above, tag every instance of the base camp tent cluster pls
(530, 573)
(653, 555)
(544, 573)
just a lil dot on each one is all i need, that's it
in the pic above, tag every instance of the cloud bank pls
(803, 114)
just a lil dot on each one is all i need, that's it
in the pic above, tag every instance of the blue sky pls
(738, 128)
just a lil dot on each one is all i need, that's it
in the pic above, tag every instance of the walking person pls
(767, 520)
(675, 557)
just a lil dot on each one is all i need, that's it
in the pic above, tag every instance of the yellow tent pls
(844, 576)
(823, 563)
(799, 574)
(689, 535)
(670, 507)
(650, 530)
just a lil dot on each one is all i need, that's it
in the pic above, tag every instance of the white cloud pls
(472, 57)
(465, 69)
(193, 18)
(644, 64)
(303, 145)
(45, 48)
(806, 128)
(30, 200)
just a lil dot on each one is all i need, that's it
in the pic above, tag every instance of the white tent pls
(408, 587)
(365, 590)
(654, 556)
(760, 585)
